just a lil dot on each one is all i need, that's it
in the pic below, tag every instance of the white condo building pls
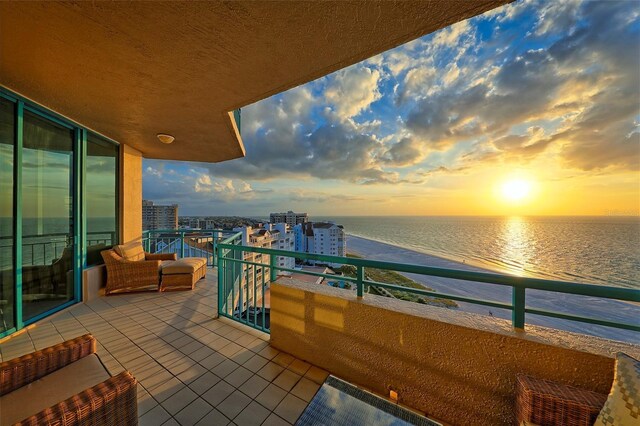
(284, 239)
(324, 238)
(276, 236)
(252, 274)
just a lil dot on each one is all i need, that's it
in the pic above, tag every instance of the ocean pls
(592, 250)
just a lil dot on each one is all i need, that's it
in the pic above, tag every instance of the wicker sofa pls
(129, 268)
(66, 384)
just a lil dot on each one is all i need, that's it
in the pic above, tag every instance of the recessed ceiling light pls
(164, 138)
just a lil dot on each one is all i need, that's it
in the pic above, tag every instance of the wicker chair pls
(547, 403)
(133, 275)
(111, 402)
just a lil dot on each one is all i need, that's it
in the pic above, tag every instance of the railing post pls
(213, 250)
(182, 245)
(221, 290)
(517, 315)
(359, 282)
(273, 274)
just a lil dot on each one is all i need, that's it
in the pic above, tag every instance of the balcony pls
(191, 367)
(198, 361)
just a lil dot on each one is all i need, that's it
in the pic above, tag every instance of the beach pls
(611, 310)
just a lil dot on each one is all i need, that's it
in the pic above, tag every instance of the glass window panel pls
(101, 194)
(7, 135)
(47, 211)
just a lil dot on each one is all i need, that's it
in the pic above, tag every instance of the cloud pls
(352, 90)
(406, 152)
(557, 81)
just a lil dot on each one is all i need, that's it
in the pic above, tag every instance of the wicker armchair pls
(112, 402)
(133, 275)
(546, 403)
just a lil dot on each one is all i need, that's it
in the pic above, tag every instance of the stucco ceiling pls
(130, 70)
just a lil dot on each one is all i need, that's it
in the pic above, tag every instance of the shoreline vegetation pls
(392, 277)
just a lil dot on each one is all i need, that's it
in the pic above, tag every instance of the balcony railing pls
(185, 243)
(235, 302)
(43, 249)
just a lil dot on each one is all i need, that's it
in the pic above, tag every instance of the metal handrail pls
(150, 239)
(519, 285)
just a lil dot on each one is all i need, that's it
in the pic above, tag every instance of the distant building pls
(324, 238)
(302, 232)
(284, 239)
(329, 239)
(253, 278)
(159, 216)
(290, 218)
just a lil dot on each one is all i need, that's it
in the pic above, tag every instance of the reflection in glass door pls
(47, 215)
(7, 146)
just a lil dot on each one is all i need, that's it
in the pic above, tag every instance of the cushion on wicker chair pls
(51, 389)
(131, 251)
(623, 404)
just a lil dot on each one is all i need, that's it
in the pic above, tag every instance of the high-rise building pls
(159, 216)
(290, 218)
(320, 238)
(284, 239)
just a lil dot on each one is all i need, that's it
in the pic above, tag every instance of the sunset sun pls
(516, 190)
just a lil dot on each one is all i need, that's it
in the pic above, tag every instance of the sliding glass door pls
(58, 209)
(48, 249)
(7, 282)
(101, 199)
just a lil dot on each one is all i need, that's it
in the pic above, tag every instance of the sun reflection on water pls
(517, 245)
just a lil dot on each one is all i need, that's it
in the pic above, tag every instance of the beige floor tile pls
(270, 371)
(255, 363)
(290, 408)
(225, 368)
(218, 393)
(212, 361)
(271, 396)
(287, 380)
(238, 377)
(316, 374)
(299, 367)
(283, 359)
(252, 415)
(268, 352)
(254, 386)
(179, 400)
(166, 389)
(233, 404)
(275, 420)
(193, 412)
(305, 389)
(154, 417)
(214, 418)
(204, 383)
(191, 374)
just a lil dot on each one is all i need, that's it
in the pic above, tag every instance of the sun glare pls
(516, 190)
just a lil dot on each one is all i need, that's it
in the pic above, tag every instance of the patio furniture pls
(66, 384)
(183, 273)
(129, 268)
(547, 403)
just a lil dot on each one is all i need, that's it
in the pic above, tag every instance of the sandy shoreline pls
(611, 310)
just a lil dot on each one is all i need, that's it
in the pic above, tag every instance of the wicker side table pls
(546, 403)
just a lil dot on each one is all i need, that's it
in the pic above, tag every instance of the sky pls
(530, 109)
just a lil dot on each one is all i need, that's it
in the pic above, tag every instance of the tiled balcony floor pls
(191, 368)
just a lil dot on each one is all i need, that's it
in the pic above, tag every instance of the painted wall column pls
(130, 204)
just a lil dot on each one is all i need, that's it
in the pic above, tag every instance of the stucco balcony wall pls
(454, 366)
